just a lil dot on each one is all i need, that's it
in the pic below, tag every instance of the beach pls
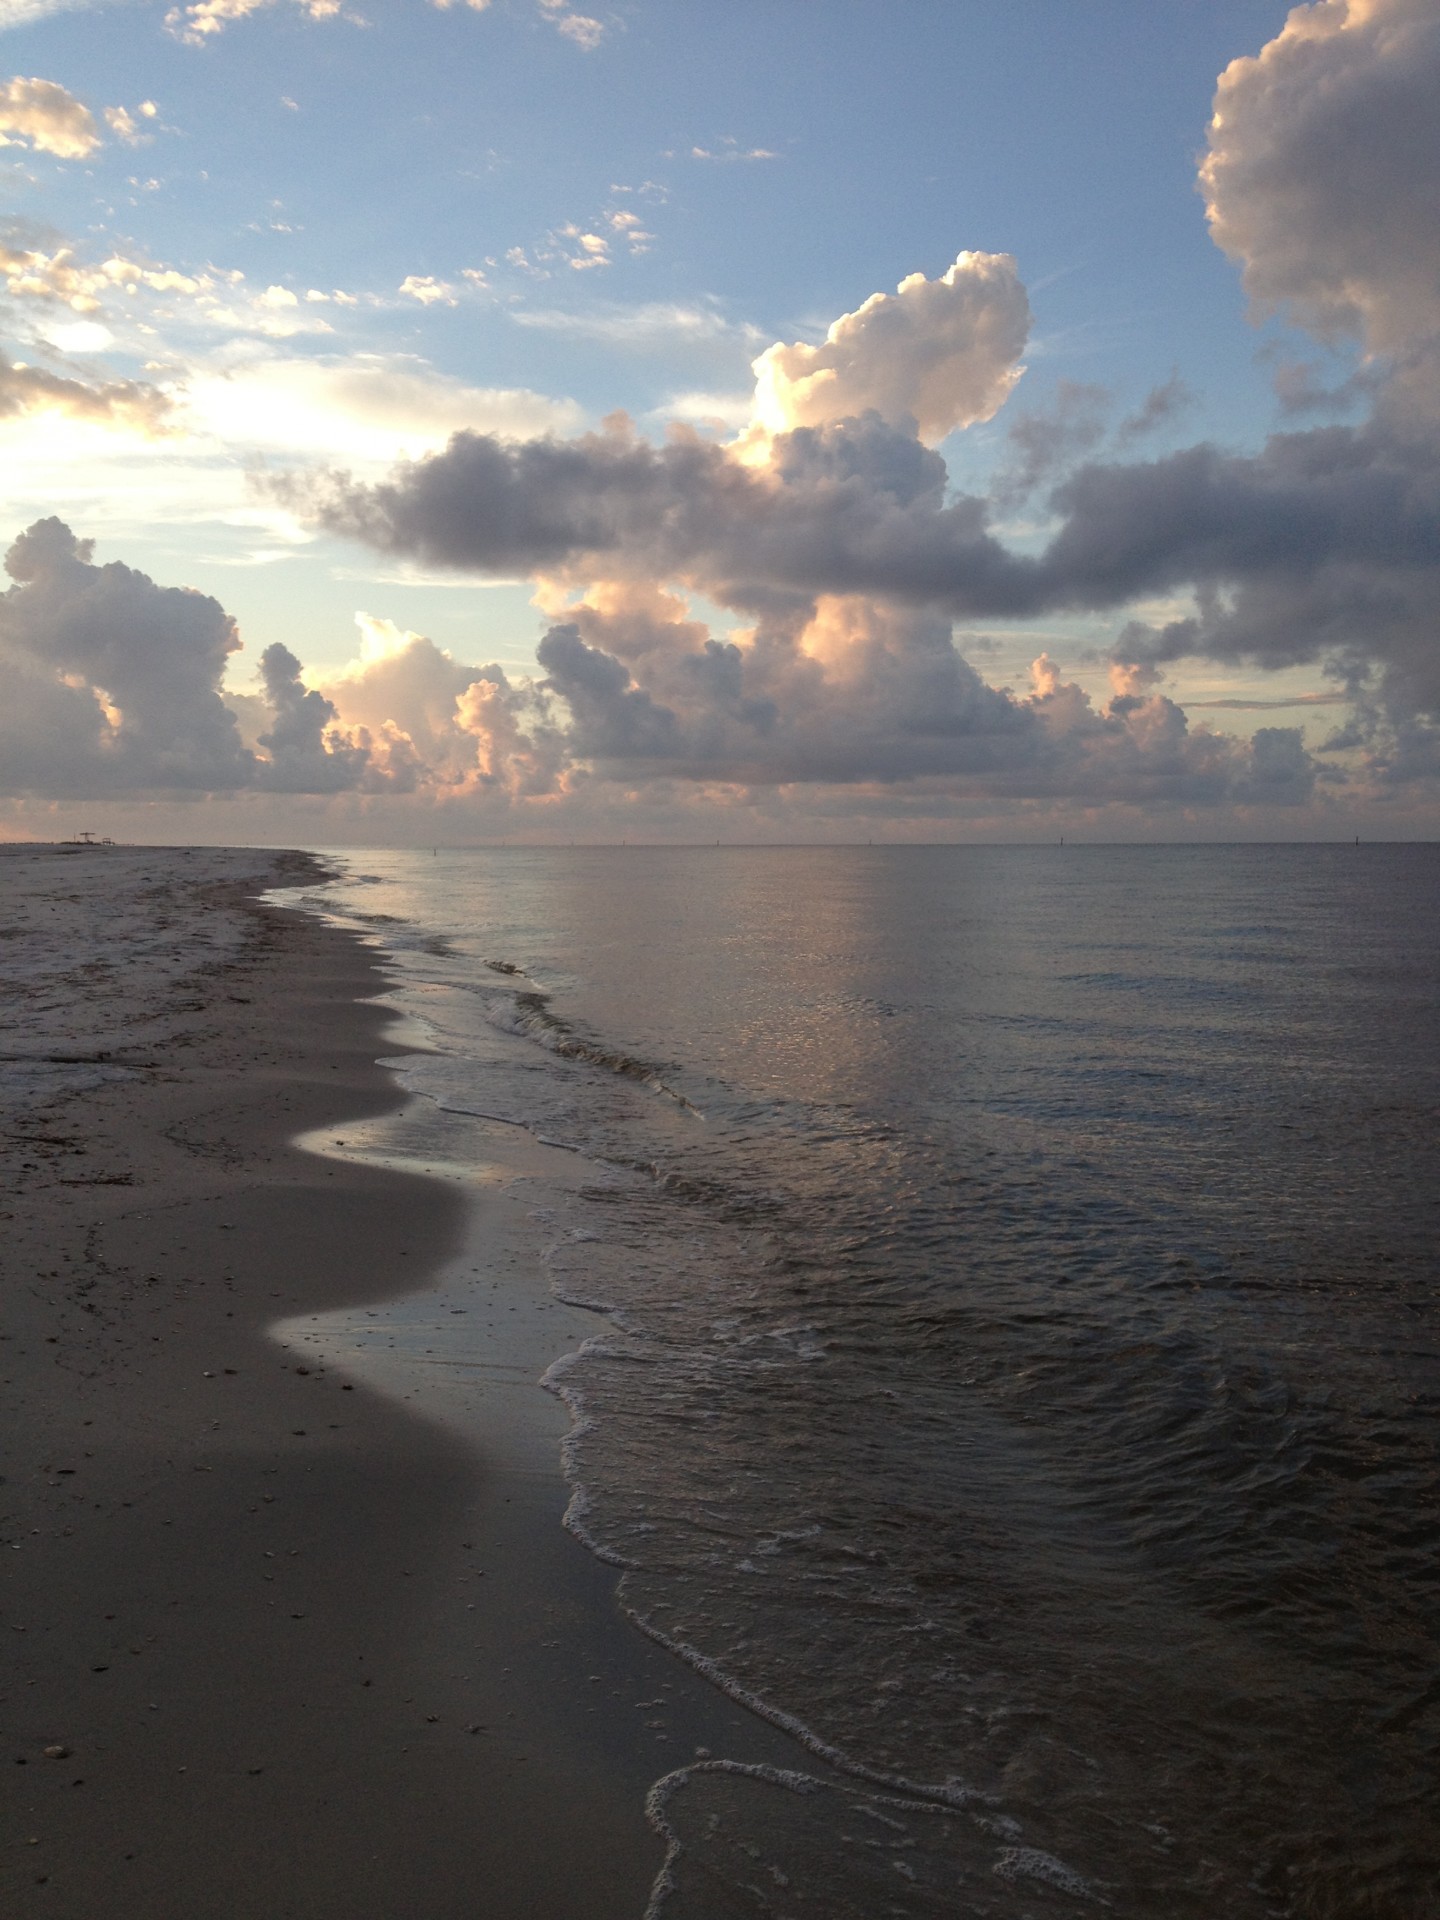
(276, 1644)
(984, 1300)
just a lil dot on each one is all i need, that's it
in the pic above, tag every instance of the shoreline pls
(242, 1593)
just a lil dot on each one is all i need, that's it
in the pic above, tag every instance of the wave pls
(527, 1013)
(949, 1796)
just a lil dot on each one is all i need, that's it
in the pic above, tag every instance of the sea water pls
(1018, 1373)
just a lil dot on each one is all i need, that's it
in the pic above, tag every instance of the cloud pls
(42, 115)
(730, 150)
(307, 750)
(365, 407)
(121, 403)
(110, 681)
(842, 692)
(429, 291)
(1322, 166)
(402, 680)
(520, 753)
(112, 453)
(212, 298)
(668, 325)
(830, 539)
(203, 300)
(1322, 179)
(1324, 546)
(584, 246)
(639, 693)
(708, 409)
(856, 503)
(1271, 706)
(78, 336)
(858, 506)
(1043, 443)
(1299, 387)
(1307, 506)
(852, 694)
(1141, 751)
(1320, 547)
(197, 24)
(111, 685)
(203, 21)
(944, 353)
(581, 29)
(1324, 549)
(630, 231)
(468, 730)
(1159, 407)
(20, 13)
(579, 249)
(123, 124)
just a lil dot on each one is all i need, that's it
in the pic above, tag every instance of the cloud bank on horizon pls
(789, 607)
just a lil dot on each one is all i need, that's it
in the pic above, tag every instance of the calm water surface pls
(1021, 1369)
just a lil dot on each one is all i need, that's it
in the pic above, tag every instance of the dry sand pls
(276, 1644)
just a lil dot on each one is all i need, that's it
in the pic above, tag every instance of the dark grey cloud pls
(1043, 443)
(307, 752)
(1268, 706)
(1324, 548)
(859, 506)
(1160, 407)
(1308, 505)
(111, 684)
(615, 721)
(1301, 389)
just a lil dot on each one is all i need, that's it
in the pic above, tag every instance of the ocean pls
(1015, 1358)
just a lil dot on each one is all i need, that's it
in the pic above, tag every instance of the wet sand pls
(276, 1644)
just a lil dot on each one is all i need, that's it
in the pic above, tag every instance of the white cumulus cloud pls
(42, 115)
(201, 22)
(944, 353)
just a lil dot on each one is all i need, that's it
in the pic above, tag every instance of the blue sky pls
(349, 232)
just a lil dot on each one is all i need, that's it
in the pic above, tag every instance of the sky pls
(796, 420)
